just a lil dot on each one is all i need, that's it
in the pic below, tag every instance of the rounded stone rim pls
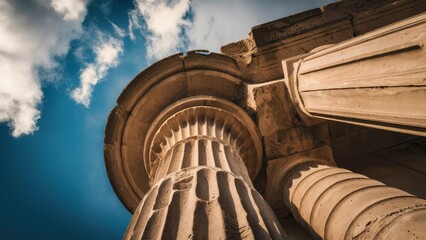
(207, 101)
(222, 70)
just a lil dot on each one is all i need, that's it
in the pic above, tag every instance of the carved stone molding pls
(212, 126)
(335, 203)
(203, 203)
(375, 80)
(149, 94)
(200, 155)
(180, 146)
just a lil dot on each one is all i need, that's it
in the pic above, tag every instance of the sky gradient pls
(62, 66)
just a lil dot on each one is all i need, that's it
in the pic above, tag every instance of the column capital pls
(374, 80)
(203, 117)
(151, 92)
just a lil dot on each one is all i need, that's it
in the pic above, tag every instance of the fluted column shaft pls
(201, 186)
(335, 203)
(202, 151)
(374, 80)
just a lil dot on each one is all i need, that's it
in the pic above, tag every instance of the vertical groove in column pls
(187, 156)
(153, 208)
(208, 123)
(203, 203)
(209, 196)
(274, 227)
(222, 158)
(210, 161)
(176, 157)
(201, 228)
(313, 194)
(135, 228)
(172, 219)
(201, 152)
(255, 220)
(242, 228)
(363, 198)
(296, 177)
(335, 203)
(216, 155)
(308, 182)
(387, 65)
(226, 202)
(152, 229)
(328, 201)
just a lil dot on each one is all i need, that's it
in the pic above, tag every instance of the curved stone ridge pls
(155, 89)
(335, 203)
(200, 151)
(206, 117)
(204, 121)
(205, 136)
(203, 203)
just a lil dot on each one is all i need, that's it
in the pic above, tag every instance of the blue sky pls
(62, 66)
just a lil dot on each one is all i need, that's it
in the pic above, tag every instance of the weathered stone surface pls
(303, 32)
(279, 168)
(274, 108)
(242, 51)
(160, 85)
(297, 139)
(197, 152)
(335, 203)
(283, 131)
(203, 203)
(204, 136)
(199, 159)
(375, 80)
(204, 117)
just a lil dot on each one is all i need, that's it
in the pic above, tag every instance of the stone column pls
(197, 153)
(335, 203)
(375, 80)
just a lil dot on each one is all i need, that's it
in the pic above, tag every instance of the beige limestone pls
(203, 203)
(377, 79)
(271, 42)
(152, 91)
(198, 150)
(195, 138)
(335, 203)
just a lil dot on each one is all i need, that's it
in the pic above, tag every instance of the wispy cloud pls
(71, 10)
(170, 26)
(107, 50)
(134, 23)
(33, 34)
(120, 32)
(163, 25)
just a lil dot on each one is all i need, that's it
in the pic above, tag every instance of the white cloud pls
(107, 52)
(219, 22)
(213, 23)
(71, 10)
(32, 35)
(134, 17)
(120, 32)
(164, 22)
